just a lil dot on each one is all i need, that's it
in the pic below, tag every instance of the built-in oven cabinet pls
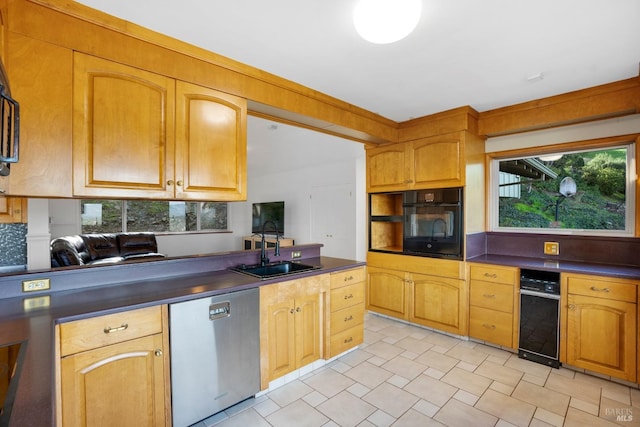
(116, 362)
(493, 304)
(426, 291)
(598, 319)
(432, 162)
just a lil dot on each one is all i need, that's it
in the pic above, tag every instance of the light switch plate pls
(36, 285)
(551, 248)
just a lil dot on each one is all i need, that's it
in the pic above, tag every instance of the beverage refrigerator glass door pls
(433, 223)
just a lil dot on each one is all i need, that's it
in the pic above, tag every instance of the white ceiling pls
(463, 52)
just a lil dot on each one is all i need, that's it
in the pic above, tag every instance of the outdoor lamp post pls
(568, 188)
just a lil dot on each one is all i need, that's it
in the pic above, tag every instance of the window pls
(114, 216)
(583, 191)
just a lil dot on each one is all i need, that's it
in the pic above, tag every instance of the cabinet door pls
(211, 144)
(601, 336)
(281, 337)
(307, 329)
(123, 130)
(122, 383)
(387, 168)
(13, 210)
(386, 292)
(436, 302)
(436, 162)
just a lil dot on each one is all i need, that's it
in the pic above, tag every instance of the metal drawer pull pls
(593, 288)
(489, 295)
(492, 275)
(109, 329)
(348, 296)
(348, 340)
(298, 309)
(158, 352)
(486, 325)
(346, 319)
(346, 279)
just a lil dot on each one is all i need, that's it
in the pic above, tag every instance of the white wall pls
(284, 163)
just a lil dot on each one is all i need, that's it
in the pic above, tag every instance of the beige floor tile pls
(574, 387)
(537, 423)
(431, 390)
(355, 357)
(404, 367)
(392, 400)
(289, 393)
(314, 398)
(369, 375)
(500, 373)
(358, 390)
(329, 382)
(346, 410)
(635, 397)
(468, 381)
(528, 367)
(617, 392)
(615, 411)
(576, 418)
(548, 417)
(266, 407)
(502, 388)
(379, 419)
(414, 345)
(378, 361)
(541, 381)
(371, 337)
(304, 414)
(413, 418)
(506, 407)
(588, 407)
(441, 340)
(245, 418)
(398, 381)
(384, 350)
(503, 423)
(396, 330)
(409, 355)
(541, 397)
(467, 354)
(466, 366)
(426, 408)
(435, 373)
(456, 413)
(466, 397)
(437, 360)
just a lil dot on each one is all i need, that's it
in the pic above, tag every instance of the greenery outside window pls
(582, 191)
(115, 216)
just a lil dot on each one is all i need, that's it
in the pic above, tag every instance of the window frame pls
(631, 207)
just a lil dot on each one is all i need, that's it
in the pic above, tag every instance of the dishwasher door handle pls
(219, 310)
(539, 294)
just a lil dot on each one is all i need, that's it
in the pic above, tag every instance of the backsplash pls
(13, 244)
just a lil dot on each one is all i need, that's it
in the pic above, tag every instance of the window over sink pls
(115, 216)
(588, 189)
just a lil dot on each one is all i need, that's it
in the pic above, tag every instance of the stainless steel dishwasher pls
(215, 354)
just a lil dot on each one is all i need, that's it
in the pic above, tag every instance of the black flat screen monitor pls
(262, 213)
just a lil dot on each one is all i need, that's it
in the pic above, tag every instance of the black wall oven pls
(433, 223)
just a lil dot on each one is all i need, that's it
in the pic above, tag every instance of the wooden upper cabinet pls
(211, 144)
(434, 162)
(13, 210)
(127, 143)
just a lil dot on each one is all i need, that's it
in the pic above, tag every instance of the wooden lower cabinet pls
(345, 328)
(291, 319)
(493, 304)
(112, 371)
(13, 210)
(599, 325)
(398, 286)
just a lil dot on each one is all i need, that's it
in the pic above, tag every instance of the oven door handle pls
(539, 294)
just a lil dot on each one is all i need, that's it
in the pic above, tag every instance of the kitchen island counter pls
(31, 319)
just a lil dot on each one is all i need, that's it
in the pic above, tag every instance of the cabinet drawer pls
(87, 334)
(347, 318)
(601, 288)
(492, 326)
(345, 340)
(347, 277)
(494, 274)
(492, 296)
(347, 296)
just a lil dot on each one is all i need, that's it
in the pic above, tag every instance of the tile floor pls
(405, 375)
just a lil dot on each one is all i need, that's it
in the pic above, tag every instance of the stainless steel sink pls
(267, 271)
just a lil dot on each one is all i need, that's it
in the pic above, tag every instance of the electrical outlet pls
(551, 248)
(36, 285)
(296, 254)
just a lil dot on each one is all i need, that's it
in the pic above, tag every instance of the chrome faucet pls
(263, 254)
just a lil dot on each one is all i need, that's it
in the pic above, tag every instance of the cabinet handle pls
(348, 340)
(158, 352)
(489, 295)
(593, 288)
(170, 182)
(488, 326)
(572, 306)
(293, 310)
(348, 296)
(347, 319)
(346, 279)
(109, 329)
(298, 309)
(492, 275)
(179, 183)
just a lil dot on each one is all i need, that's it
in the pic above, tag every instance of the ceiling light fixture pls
(386, 21)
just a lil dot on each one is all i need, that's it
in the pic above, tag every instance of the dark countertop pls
(619, 271)
(34, 401)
